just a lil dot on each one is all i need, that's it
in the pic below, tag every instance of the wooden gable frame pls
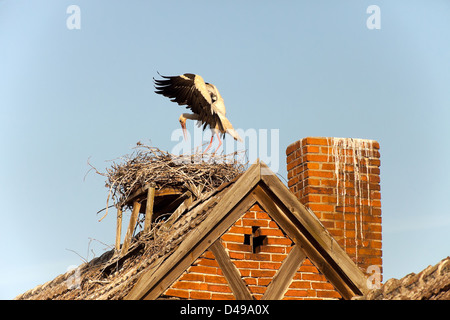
(258, 185)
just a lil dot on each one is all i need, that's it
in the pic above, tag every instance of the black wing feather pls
(182, 90)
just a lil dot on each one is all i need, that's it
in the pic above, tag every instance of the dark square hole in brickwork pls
(248, 239)
(257, 239)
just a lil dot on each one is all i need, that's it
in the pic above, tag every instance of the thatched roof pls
(433, 283)
(111, 276)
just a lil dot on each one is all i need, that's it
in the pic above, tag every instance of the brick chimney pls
(339, 180)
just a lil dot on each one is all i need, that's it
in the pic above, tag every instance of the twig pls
(84, 260)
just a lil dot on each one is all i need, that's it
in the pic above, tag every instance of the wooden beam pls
(149, 208)
(189, 250)
(118, 228)
(230, 272)
(131, 226)
(283, 278)
(158, 193)
(178, 211)
(229, 208)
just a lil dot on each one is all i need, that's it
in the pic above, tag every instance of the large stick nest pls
(150, 165)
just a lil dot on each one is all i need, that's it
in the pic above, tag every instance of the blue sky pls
(307, 68)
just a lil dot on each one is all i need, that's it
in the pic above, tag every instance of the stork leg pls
(220, 143)
(210, 143)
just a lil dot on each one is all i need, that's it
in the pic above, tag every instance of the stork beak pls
(183, 125)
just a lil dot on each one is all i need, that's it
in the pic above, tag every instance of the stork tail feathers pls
(234, 134)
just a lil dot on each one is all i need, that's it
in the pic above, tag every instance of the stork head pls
(183, 125)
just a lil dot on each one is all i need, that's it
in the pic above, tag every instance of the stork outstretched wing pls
(190, 90)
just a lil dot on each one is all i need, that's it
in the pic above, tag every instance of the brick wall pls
(339, 179)
(257, 247)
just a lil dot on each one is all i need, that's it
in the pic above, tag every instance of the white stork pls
(203, 99)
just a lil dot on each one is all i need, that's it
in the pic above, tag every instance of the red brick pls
(269, 232)
(240, 230)
(255, 222)
(375, 244)
(312, 166)
(296, 293)
(318, 190)
(329, 199)
(313, 277)
(271, 249)
(292, 147)
(246, 264)
(322, 285)
(278, 257)
(373, 261)
(327, 183)
(313, 198)
(280, 241)
(190, 285)
(316, 141)
(310, 149)
(262, 273)
(321, 207)
(262, 215)
(300, 285)
(215, 279)
(222, 296)
(207, 262)
(236, 255)
(368, 251)
(373, 236)
(270, 265)
(347, 209)
(192, 277)
(264, 281)
(321, 174)
(239, 238)
(328, 224)
(203, 269)
(375, 144)
(249, 215)
(328, 166)
(273, 224)
(328, 294)
(316, 158)
(200, 295)
(257, 289)
(208, 254)
(219, 288)
(177, 293)
(250, 281)
(244, 272)
(257, 256)
(239, 247)
(326, 150)
(307, 262)
(311, 293)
